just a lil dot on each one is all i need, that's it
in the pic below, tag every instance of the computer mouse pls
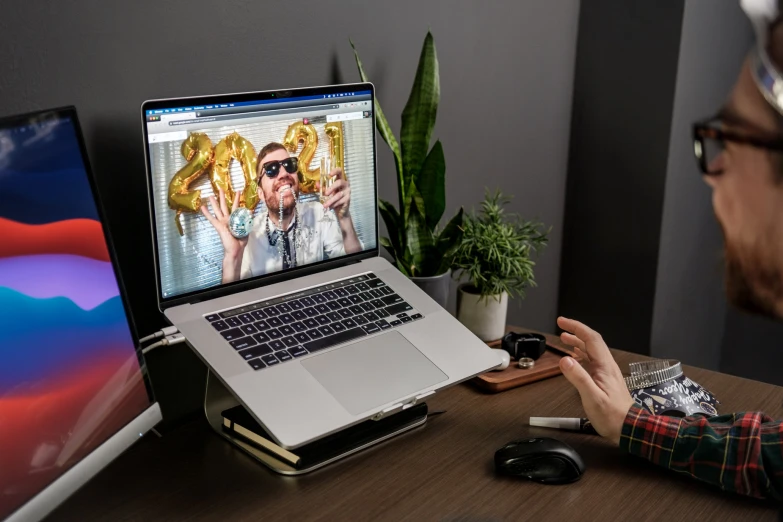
(544, 460)
(505, 359)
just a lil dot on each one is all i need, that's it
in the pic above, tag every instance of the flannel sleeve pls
(740, 452)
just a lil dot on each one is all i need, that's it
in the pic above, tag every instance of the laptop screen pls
(70, 376)
(296, 171)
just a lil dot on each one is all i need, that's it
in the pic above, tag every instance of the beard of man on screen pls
(259, 252)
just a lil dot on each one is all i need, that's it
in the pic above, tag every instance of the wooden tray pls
(548, 365)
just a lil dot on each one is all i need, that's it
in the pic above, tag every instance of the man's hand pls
(339, 194)
(233, 248)
(339, 199)
(600, 383)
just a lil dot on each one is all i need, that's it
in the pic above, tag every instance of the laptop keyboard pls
(284, 328)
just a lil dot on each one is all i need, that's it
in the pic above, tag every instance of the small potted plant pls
(495, 255)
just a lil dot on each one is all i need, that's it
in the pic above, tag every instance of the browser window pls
(297, 177)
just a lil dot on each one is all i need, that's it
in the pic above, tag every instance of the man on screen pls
(301, 238)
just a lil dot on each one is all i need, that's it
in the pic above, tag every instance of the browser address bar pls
(344, 117)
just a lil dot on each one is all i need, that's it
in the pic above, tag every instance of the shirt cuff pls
(649, 436)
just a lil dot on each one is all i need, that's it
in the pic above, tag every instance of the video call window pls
(309, 163)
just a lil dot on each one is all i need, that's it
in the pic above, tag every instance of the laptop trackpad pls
(367, 374)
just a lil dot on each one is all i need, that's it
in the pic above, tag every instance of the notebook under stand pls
(218, 399)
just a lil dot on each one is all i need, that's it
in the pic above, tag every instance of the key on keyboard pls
(258, 315)
(342, 337)
(255, 351)
(220, 325)
(241, 344)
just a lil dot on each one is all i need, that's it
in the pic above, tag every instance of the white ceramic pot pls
(484, 317)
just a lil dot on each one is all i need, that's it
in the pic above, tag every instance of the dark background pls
(510, 73)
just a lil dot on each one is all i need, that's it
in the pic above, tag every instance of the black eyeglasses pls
(709, 142)
(272, 168)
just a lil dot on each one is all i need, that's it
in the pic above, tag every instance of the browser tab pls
(178, 116)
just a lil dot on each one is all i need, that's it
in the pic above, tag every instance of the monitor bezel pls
(57, 491)
(266, 279)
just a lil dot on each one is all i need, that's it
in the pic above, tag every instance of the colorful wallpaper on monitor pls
(69, 374)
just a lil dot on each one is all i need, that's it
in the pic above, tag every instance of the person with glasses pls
(288, 233)
(740, 156)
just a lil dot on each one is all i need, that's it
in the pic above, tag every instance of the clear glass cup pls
(327, 181)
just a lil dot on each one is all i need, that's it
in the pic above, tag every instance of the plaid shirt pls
(740, 452)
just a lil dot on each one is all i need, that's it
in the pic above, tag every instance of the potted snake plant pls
(495, 256)
(420, 248)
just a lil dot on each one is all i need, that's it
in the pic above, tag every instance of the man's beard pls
(752, 282)
(272, 200)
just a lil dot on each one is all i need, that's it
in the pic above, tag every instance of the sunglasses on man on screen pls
(272, 168)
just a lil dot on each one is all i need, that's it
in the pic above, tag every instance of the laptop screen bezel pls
(61, 113)
(267, 279)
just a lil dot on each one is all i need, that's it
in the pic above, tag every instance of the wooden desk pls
(442, 471)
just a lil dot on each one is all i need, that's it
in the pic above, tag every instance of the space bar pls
(341, 337)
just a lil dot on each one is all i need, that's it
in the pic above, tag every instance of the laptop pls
(279, 285)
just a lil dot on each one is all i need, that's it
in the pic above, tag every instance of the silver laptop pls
(278, 285)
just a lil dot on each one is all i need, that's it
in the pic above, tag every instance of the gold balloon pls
(306, 133)
(197, 149)
(229, 148)
(336, 144)
(245, 154)
(219, 176)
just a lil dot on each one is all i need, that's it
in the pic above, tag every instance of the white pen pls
(564, 423)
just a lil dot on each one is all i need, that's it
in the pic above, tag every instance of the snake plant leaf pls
(448, 241)
(405, 261)
(402, 268)
(420, 243)
(392, 218)
(452, 232)
(431, 183)
(418, 117)
(414, 196)
(385, 243)
(384, 129)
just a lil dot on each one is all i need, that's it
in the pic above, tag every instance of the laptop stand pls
(218, 398)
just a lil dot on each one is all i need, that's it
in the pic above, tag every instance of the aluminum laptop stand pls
(218, 398)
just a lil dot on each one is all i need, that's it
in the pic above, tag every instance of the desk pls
(442, 471)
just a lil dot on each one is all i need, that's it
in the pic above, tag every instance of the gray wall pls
(690, 305)
(506, 79)
(521, 55)
(751, 348)
(626, 70)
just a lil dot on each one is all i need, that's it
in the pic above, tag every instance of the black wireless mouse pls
(544, 460)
